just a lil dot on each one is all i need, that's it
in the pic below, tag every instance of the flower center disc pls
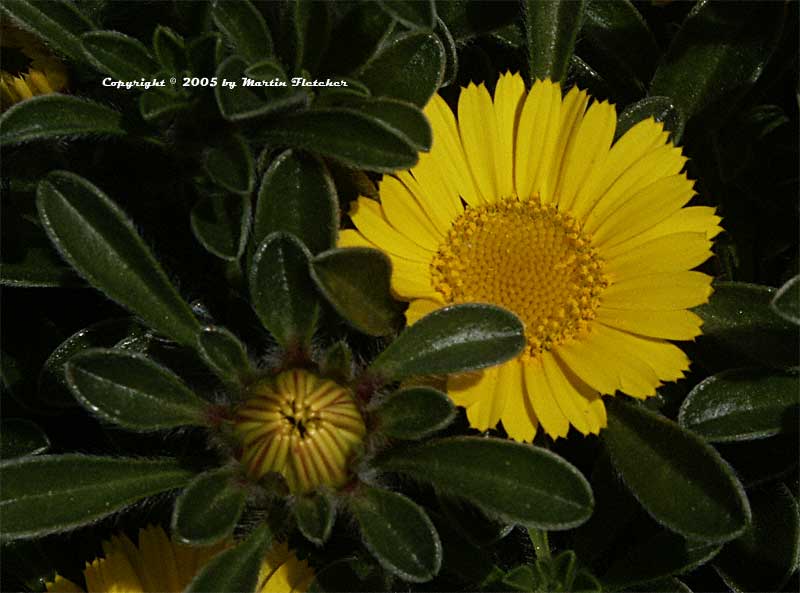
(302, 426)
(527, 257)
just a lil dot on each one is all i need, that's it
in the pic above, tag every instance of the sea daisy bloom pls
(159, 564)
(28, 68)
(302, 426)
(528, 203)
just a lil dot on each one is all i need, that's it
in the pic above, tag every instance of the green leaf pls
(451, 340)
(512, 481)
(132, 391)
(741, 329)
(281, 291)
(551, 28)
(742, 404)
(20, 437)
(170, 49)
(678, 478)
(51, 493)
(245, 28)
(337, 362)
(242, 102)
(619, 45)
(521, 578)
(718, 54)
(58, 22)
(661, 109)
(352, 138)
(96, 237)
(224, 353)
(409, 67)
(208, 510)
(312, 30)
(123, 57)
(786, 301)
(405, 119)
(766, 555)
(355, 280)
(368, 23)
(236, 569)
(229, 164)
(57, 116)
(450, 53)
(663, 555)
(414, 413)
(417, 15)
(156, 104)
(221, 223)
(297, 195)
(761, 461)
(315, 517)
(398, 533)
(467, 19)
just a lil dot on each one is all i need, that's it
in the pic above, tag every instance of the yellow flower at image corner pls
(28, 68)
(305, 427)
(159, 565)
(526, 202)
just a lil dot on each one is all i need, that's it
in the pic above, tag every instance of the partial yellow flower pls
(28, 68)
(527, 202)
(302, 426)
(159, 565)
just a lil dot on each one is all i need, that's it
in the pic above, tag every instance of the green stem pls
(540, 543)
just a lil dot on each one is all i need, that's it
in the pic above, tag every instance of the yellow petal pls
(668, 325)
(571, 115)
(484, 413)
(405, 214)
(537, 137)
(659, 292)
(695, 219)
(21, 88)
(467, 388)
(669, 253)
(419, 308)
(352, 238)
(644, 210)
(62, 585)
(479, 138)
(588, 150)
(509, 96)
(595, 409)
(159, 559)
(39, 82)
(436, 186)
(440, 212)
(447, 154)
(412, 280)
(592, 364)
(543, 400)
(519, 419)
(369, 219)
(567, 397)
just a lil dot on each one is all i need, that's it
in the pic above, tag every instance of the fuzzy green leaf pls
(417, 15)
(57, 116)
(742, 405)
(53, 493)
(677, 477)
(414, 413)
(398, 533)
(58, 22)
(224, 353)
(355, 139)
(208, 510)
(123, 57)
(132, 391)
(221, 223)
(96, 237)
(551, 28)
(409, 68)
(20, 437)
(766, 555)
(368, 23)
(451, 340)
(450, 53)
(311, 21)
(405, 119)
(156, 104)
(315, 516)
(663, 555)
(718, 54)
(512, 481)
(281, 290)
(355, 281)
(170, 49)
(741, 329)
(298, 196)
(786, 301)
(661, 109)
(229, 164)
(244, 26)
(236, 569)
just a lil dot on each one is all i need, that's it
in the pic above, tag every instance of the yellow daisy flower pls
(159, 564)
(28, 68)
(527, 202)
